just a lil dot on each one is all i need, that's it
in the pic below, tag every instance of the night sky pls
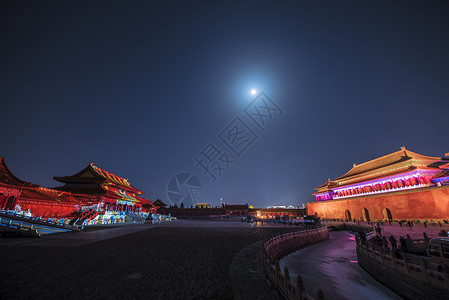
(142, 87)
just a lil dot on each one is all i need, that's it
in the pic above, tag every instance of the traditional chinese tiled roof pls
(326, 184)
(6, 177)
(44, 194)
(120, 194)
(388, 160)
(398, 162)
(111, 177)
(94, 174)
(441, 174)
(88, 190)
(203, 205)
(159, 203)
(146, 201)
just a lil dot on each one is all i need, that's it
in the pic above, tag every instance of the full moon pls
(253, 92)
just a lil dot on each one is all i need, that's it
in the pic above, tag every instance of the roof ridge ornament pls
(405, 151)
(354, 165)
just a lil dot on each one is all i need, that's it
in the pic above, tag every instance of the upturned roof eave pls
(381, 162)
(18, 181)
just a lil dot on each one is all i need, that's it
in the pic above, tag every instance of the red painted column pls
(2, 201)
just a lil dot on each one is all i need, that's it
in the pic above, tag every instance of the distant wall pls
(430, 203)
(184, 212)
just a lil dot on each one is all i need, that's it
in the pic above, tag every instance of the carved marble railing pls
(277, 247)
(412, 277)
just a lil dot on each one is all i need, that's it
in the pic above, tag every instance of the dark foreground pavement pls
(178, 261)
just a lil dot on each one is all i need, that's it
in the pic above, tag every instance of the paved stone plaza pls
(184, 259)
(178, 260)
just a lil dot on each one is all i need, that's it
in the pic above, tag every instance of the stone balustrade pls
(277, 247)
(411, 279)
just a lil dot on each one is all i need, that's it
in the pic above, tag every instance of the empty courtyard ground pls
(177, 260)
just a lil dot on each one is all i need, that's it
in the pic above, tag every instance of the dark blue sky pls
(142, 87)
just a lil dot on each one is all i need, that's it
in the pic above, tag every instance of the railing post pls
(426, 240)
(320, 295)
(446, 274)
(277, 246)
(424, 267)
(278, 271)
(406, 261)
(409, 243)
(300, 286)
(287, 280)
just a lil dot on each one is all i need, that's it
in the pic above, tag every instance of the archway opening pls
(348, 215)
(365, 215)
(387, 214)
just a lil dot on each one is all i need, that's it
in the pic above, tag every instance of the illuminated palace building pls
(93, 192)
(400, 185)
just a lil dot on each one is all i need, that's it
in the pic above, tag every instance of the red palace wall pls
(430, 203)
(47, 210)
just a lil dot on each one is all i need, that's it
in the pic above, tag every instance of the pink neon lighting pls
(411, 180)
